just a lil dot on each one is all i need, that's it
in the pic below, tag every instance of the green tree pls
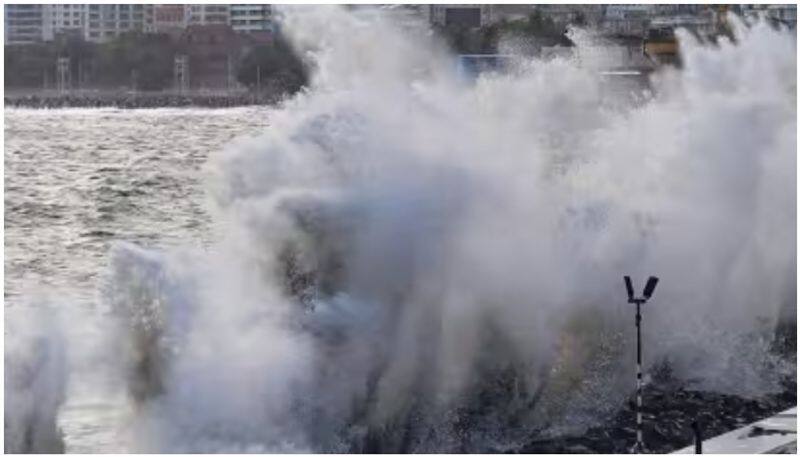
(26, 66)
(80, 53)
(34, 65)
(136, 59)
(274, 65)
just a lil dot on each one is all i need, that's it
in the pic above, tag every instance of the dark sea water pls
(76, 180)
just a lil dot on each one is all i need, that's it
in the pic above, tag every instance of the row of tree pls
(143, 62)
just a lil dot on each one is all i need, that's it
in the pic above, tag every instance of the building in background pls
(26, 24)
(98, 23)
(208, 14)
(106, 21)
(781, 14)
(510, 13)
(679, 9)
(630, 20)
(564, 15)
(170, 19)
(212, 51)
(408, 16)
(251, 18)
(66, 20)
(471, 16)
(700, 24)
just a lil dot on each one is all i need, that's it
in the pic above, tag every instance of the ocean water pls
(76, 182)
(404, 261)
(78, 179)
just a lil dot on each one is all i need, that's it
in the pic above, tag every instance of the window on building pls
(470, 17)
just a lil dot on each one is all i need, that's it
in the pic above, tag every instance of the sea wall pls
(139, 100)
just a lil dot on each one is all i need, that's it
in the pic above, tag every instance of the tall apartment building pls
(25, 24)
(101, 22)
(169, 18)
(785, 14)
(208, 14)
(66, 19)
(629, 19)
(106, 21)
(251, 18)
(563, 15)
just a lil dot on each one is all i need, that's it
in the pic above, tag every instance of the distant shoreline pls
(133, 100)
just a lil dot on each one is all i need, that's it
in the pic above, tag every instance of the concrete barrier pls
(773, 435)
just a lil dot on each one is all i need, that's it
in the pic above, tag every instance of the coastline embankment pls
(97, 99)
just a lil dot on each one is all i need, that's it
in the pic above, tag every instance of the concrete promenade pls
(773, 435)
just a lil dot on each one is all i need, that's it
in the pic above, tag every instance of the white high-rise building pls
(169, 18)
(208, 14)
(104, 22)
(95, 22)
(66, 19)
(26, 24)
(786, 14)
(251, 18)
(628, 19)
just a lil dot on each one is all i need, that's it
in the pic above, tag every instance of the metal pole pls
(639, 441)
(698, 438)
(258, 78)
(648, 292)
(230, 73)
(181, 73)
(63, 74)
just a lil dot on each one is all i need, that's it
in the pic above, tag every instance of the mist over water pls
(415, 263)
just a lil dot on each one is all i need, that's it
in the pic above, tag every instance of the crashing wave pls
(35, 382)
(409, 264)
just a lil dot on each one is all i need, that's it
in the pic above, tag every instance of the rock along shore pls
(140, 100)
(668, 412)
